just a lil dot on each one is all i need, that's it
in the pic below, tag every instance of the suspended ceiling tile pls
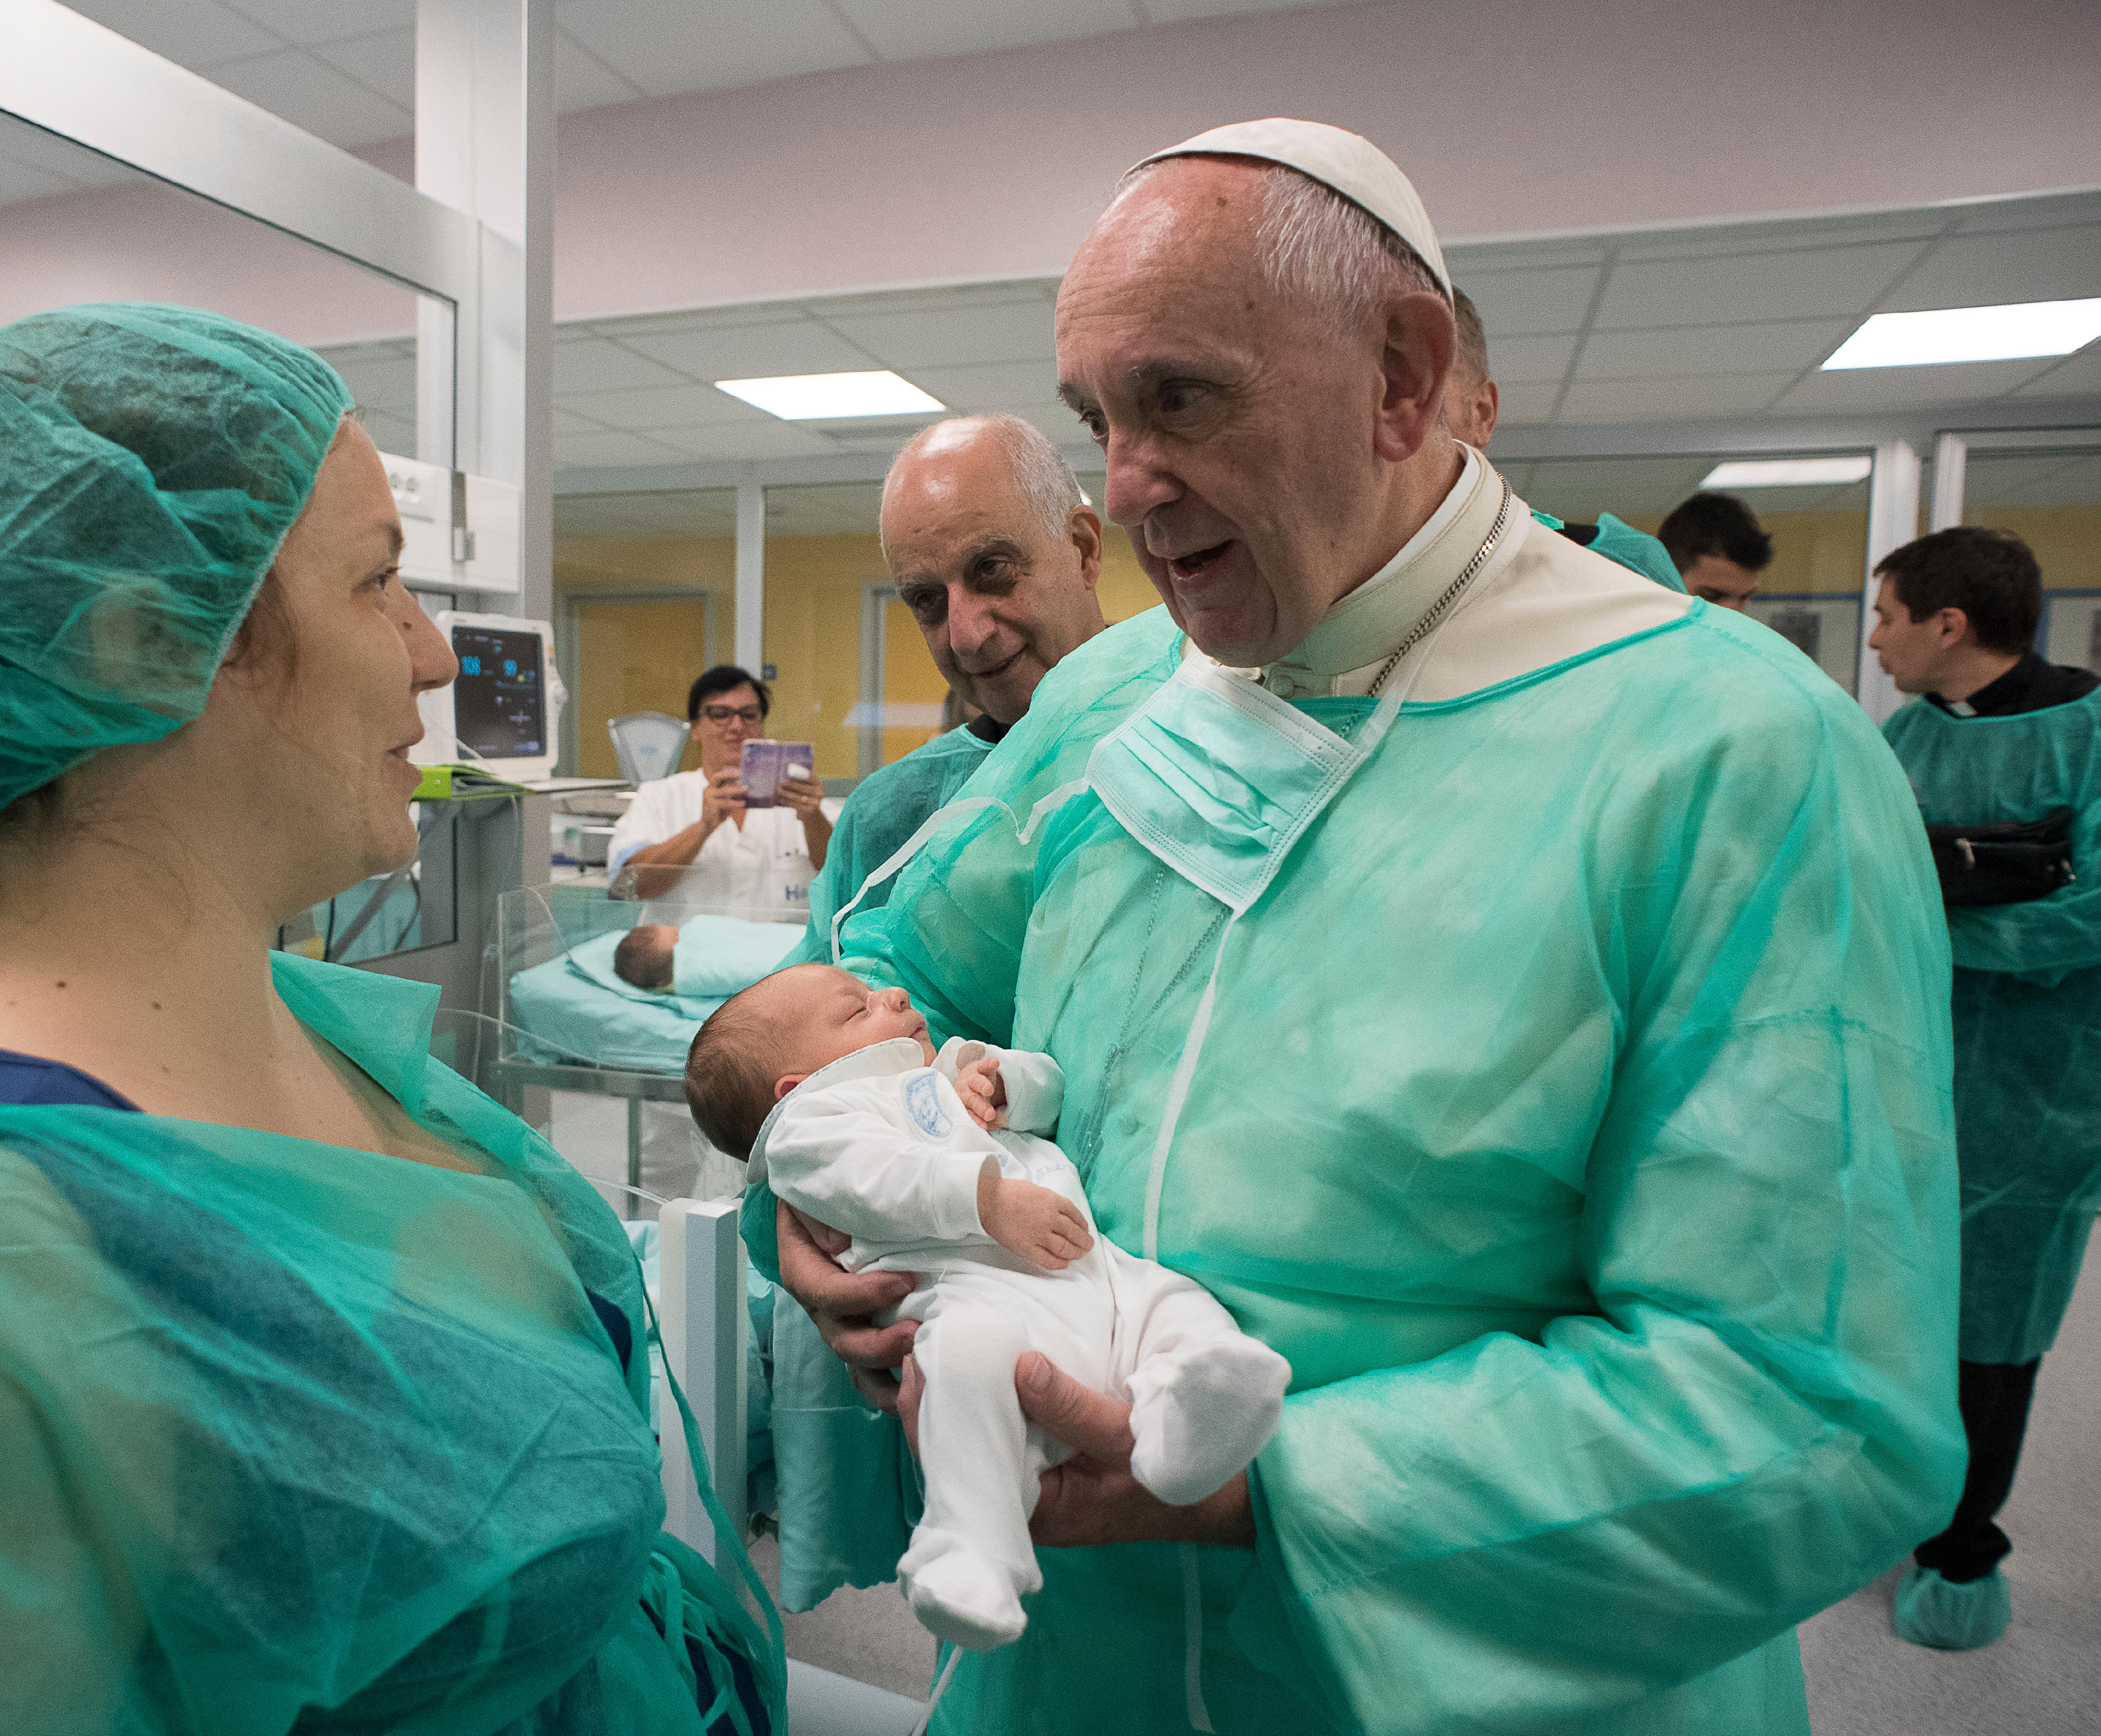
(2029, 213)
(1710, 349)
(694, 512)
(1524, 402)
(19, 182)
(1520, 361)
(191, 33)
(921, 29)
(1175, 12)
(691, 320)
(1013, 331)
(293, 84)
(748, 441)
(311, 21)
(756, 352)
(1716, 241)
(565, 420)
(665, 46)
(990, 386)
(882, 303)
(583, 81)
(692, 406)
(1979, 271)
(385, 63)
(60, 159)
(1826, 282)
(1516, 304)
(1685, 397)
(2075, 376)
(597, 365)
(592, 451)
(1861, 389)
(1054, 418)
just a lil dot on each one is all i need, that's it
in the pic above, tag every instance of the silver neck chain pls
(1439, 609)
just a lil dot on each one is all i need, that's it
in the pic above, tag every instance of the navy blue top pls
(27, 1081)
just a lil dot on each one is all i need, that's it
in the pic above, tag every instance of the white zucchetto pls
(1349, 163)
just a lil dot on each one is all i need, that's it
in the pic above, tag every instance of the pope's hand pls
(1092, 1497)
(840, 1302)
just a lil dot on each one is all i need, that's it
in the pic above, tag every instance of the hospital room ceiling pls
(348, 72)
(1727, 323)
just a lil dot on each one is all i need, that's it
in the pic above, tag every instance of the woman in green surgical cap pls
(323, 1386)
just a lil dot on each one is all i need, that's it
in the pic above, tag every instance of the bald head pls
(996, 553)
(1269, 451)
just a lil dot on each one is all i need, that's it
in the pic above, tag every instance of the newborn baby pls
(931, 1164)
(644, 957)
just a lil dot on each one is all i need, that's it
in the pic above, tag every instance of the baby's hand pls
(1033, 1221)
(983, 1092)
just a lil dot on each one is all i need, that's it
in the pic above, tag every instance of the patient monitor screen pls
(499, 701)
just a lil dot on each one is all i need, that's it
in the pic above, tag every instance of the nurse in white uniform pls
(691, 836)
(694, 840)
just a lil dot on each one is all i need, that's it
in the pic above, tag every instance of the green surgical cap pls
(152, 459)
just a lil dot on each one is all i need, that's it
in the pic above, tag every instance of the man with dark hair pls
(2004, 737)
(1718, 548)
(692, 832)
(1471, 405)
(1957, 613)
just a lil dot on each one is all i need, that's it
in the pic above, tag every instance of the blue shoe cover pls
(1951, 1618)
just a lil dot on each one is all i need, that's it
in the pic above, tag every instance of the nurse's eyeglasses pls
(723, 714)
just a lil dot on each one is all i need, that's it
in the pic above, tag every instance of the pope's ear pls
(785, 1082)
(1415, 358)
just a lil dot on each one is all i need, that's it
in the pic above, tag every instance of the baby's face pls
(822, 1012)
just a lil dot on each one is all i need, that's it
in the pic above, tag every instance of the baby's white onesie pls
(879, 1145)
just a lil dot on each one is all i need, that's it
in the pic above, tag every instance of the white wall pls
(1515, 117)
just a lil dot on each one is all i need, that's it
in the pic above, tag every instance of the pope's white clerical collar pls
(1366, 625)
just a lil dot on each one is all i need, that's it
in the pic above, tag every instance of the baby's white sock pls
(1199, 1415)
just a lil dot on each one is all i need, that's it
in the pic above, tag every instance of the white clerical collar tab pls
(1349, 163)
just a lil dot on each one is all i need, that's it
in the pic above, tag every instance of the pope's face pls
(1238, 425)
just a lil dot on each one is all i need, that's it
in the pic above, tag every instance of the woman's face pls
(721, 737)
(325, 726)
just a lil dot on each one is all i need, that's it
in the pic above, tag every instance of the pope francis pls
(1516, 991)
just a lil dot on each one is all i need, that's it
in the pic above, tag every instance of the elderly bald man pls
(998, 554)
(1511, 988)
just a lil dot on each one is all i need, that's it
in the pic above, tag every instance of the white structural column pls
(1892, 522)
(751, 575)
(1951, 459)
(485, 146)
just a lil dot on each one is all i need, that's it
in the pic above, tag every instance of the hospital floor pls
(2043, 1679)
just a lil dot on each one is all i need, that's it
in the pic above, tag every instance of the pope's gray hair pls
(1315, 245)
(1045, 479)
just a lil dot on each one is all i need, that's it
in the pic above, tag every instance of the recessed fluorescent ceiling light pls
(1970, 334)
(1787, 473)
(827, 397)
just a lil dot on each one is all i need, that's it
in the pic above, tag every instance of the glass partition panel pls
(1811, 593)
(2051, 497)
(645, 600)
(76, 226)
(852, 675)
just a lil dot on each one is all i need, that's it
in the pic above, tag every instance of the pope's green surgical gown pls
(293, 1436)
(1574, 1117)
(2028, 1018)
